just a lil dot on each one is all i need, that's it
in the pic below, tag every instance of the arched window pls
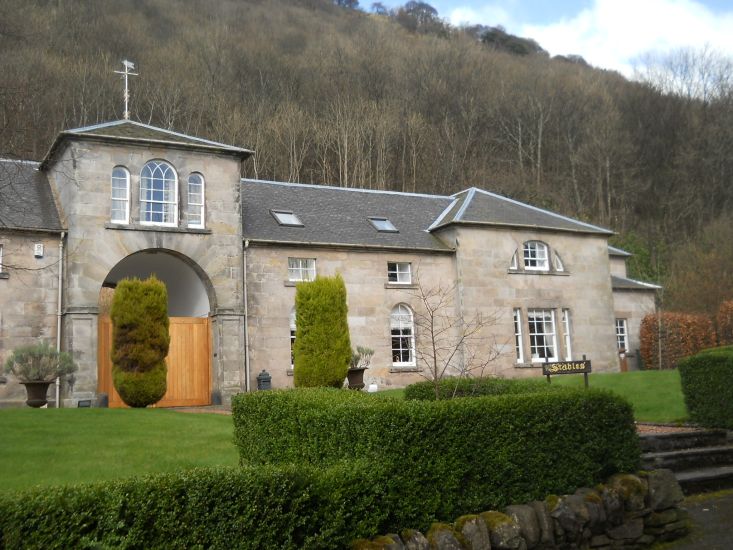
(158, 194)
(402, 329)
(292, 337)
(196, 200)
(120, 211)
(559, 266)
(535, 256)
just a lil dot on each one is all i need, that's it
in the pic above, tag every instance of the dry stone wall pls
(627, 512)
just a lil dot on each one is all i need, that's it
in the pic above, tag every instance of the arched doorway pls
(190, 299)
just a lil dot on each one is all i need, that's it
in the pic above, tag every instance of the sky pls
(611, 34)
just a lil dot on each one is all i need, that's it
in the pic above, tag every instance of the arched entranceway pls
(190, 299)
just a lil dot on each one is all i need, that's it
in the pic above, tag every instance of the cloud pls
(612, 33)
(488, 14)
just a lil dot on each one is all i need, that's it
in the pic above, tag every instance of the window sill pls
(409, 286)
(158, 228)
(528, 365)
(405, 369)
(4, 275)
(530, 272)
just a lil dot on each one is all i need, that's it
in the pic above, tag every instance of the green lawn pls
(655, 395)
(59, 446)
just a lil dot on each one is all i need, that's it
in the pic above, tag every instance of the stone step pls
(706, 479)
(689, 459)
(654, 443)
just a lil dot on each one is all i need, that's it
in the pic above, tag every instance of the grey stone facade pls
(466, 242)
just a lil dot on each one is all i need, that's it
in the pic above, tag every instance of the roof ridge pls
(442, 215)
(560, 216)
(466, 202)
(86, 129)
(352, 189)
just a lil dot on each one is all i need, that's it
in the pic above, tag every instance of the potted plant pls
(360, 360)
(36, 367)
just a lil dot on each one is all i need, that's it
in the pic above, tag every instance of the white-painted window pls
(535, 256)
(158, 194)
(622, 339)
(1, 258)
(559, 266)
(566, 328)
(301, 269)
(196, 200)
(518, 346)
(514, 264)
(399, 273)
(292, 337)
(402, 330)
(542, 335)
(120, 211)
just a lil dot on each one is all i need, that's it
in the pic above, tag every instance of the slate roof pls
(476, 206)
(130, 131)
(26, 201)
(339, 216)
(621, 283)
(613, 251)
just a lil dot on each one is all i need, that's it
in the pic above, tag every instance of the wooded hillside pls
(327, 94)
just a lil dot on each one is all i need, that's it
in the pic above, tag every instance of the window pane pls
(301, 269)
(542, 339)
(399, 272)
(120, 195)
(518, 345)
(535, 256)
(158, 193)
(621, 334)
(403, 336)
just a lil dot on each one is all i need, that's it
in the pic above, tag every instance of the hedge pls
(706, 386)
(682, 334)
(445, 458)
(263, 507)
(476, 387)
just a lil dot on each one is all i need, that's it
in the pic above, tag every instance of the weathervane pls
(129, 66)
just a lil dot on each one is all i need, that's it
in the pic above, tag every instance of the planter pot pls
(356, 378)
(36, 392)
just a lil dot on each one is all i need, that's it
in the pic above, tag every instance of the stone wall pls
(633, 305)
(629, 512)
(28, 299)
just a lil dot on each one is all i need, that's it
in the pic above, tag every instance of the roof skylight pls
(286, 217)
(383, 225)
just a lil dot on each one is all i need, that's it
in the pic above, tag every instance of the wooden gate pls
(189, 368)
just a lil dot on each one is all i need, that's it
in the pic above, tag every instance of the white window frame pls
(293, 328)
(514, 264)
(1, 258)
(126, 200)
(301, 269)
(402, 331)
(518, 337)
(536, 256)
(172, 204)
(399, 273)
(622, 334)
(566, 328)
(196, 208)
(538, 339)
(559, 266)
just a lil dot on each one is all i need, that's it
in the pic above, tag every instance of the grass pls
(655, 395)
(65, 446)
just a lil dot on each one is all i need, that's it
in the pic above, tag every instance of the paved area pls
(712, 518)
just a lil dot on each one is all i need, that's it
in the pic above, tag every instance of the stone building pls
(124, 199)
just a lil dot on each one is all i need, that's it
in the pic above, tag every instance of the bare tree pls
(449, 344)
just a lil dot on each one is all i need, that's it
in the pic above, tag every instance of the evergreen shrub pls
(682, 334)
(140, 340)
(322, 350)
(477, 387)
(450, 457)
(706, 386)
(264, 507)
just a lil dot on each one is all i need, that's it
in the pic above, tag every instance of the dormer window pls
(286, 217)
(383, 225)
(535, 256)
(158, 194)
